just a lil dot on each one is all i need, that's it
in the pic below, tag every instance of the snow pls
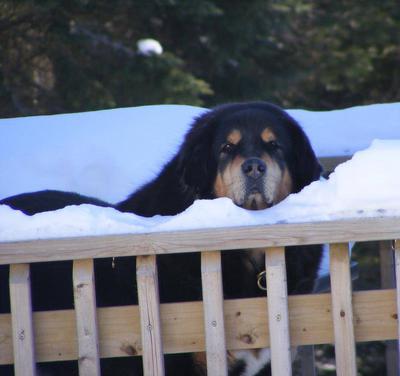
(84, 152)
(343, 132)
(149, 47)
(108, 154)
(346, 194)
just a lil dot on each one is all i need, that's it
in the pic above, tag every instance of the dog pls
(253, 153)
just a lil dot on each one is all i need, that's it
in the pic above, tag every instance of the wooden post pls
(278, 313)
(213, 306)
(397, 265)
(86, 318)
(342, 310)
(150, 322)
(21, 316)
(388, 281)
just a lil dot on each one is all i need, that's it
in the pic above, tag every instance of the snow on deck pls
(365, 186)
(108, 154)
(84, 152)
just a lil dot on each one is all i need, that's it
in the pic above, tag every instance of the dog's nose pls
(254, 167)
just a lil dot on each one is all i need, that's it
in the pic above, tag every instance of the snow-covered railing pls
(150, 329)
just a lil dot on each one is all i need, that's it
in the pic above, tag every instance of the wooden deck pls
(88, 334)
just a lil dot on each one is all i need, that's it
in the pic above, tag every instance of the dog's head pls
(253, 153)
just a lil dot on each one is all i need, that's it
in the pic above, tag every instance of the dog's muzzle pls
(255, 170)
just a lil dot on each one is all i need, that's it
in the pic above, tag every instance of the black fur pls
(49, 200)
(190, 175)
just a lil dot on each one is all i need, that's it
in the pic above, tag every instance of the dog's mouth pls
(256, 200)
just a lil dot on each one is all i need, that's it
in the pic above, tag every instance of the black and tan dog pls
(253, 153)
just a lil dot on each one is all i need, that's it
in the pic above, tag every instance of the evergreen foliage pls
(76, 55)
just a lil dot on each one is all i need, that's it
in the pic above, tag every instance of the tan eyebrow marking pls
(267, 135)
(234, 137)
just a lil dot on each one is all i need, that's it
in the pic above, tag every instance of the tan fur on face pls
(280, 182)
(232, 183)
(277, 184)
(220, 188)
(285, 187)
(234, 137)
(267, 135)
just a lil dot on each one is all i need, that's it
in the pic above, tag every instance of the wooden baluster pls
(149, 307)
(388, 281)
(278, 312)
(86, 318)
(342, 310)
(213, 306)
(21, 316)
(397, 267)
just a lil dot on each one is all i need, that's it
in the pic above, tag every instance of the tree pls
(65, 56)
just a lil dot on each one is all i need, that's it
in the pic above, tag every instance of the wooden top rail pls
(73, 248)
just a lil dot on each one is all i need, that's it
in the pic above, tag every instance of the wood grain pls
(22, 327)
(213, 305)
(198, 240)
(278, 313)
(150, 323)
(388, 280)
(342, 310)
(246, 324)
(86, 318)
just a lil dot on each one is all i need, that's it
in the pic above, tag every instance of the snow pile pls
(109, 154)
(84, 152)
(149, 47)
(343, 132)
(367, 185)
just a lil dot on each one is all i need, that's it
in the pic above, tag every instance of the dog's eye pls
(228, 148)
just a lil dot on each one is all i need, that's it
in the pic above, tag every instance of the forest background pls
(77, 55)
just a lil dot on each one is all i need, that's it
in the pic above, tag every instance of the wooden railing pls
(88, 333)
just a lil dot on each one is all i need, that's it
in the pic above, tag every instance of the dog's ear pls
(196, 164)
(304, 163)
